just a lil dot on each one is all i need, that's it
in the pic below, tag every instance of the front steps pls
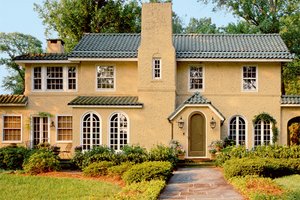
(196, 162)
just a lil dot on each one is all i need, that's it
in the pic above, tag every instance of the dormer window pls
(156, 68)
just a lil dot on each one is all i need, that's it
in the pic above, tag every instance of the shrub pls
(157, 170)
(231, 152)
(143, 190)
(97, 169)
(135, 154)
(41, 161)
(163, 153)
(105, 156)
(12, 157)
(119, 170)
(261, 167)
(78, 158)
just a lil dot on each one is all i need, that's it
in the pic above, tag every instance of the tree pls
(202, 25)
(11, 45)
(72, 18)
(241, 27)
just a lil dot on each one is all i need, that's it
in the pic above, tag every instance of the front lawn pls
(291, 184)
(33, 187)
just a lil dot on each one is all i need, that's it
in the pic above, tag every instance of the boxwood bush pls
(41, 161)
(97, 169)
(119, 170)
(133, 153)
(264, 167)
(12, 157)
(163, 153)
(157, 170)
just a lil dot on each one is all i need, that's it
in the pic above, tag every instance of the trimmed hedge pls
(119, 170)
(41, 161)
(268, 151)
(265, 167)
(163, 153)
(143, 190)
(147, 171)
(97, 169)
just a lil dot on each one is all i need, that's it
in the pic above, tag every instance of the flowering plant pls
(179, 150)
(215, 146)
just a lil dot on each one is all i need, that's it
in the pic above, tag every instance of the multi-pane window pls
(55, 78)
(105, 77)
(90, 131)
(37, 78)
(60, 78)
(237, 130)
(249, 78)
(118, 131)
(196, 78)
(64, 128)
(262, 133)
(11, 128)
(156, 68)
(72, 78)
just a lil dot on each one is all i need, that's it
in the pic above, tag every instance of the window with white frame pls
(237, 130)
(262, 133)
(196, 78)
(64, 128)
(91, 131)
(72, 78)
(58, 78)
(55, 78)
(37, 78)
(118, 136)
(105, 77)
(249, 78)
(156, 68)
(12, 128)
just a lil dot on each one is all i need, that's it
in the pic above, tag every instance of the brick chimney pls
(55, 46)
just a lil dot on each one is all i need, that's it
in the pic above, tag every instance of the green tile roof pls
(13, 100)
(196, 98)
(188, 46)
(105, 101)
(43, 56)
(290, 99)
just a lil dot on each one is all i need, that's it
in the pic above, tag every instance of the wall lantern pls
(212, 123)
(52, 124)
(180, 123)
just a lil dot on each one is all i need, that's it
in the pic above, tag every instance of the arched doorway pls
(197, 135)
(290, 122)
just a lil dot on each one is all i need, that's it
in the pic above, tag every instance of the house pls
(149, 88)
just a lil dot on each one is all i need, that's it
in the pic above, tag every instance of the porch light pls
(180, 123)
(52, 124)
(212, 123)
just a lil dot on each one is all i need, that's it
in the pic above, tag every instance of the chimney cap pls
(54, 40)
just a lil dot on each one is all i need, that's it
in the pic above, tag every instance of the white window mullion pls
(65, 78)
(237, 132)
(44, 76)
(262, 132)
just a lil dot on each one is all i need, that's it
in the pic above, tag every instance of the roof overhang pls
(290, 105)
(13, 105)
(106, 106)
(103, 59)
(221, 117)
(230, 60)
(44, 61)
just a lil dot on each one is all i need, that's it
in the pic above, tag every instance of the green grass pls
(291, 184)
(32, 187)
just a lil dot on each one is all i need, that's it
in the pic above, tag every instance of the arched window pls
(237, 130)
(262, 133)
(118, 136)
(90, 131)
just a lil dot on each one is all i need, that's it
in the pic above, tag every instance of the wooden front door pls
(197, 136)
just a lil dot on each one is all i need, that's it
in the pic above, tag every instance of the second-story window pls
(72, 78)
(37, 78)
(55, 78)
(58, 78)
(156, 68)
(105, 77)
(196, 78)
(249, 78)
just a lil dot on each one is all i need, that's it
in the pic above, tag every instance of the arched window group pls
(91, 131)
(237, 130)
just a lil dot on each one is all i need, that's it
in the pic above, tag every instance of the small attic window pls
(156, 68)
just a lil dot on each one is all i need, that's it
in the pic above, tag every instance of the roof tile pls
(290, 99)
(13, 100)
(105, 101)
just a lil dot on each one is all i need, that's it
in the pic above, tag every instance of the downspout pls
(172, 129)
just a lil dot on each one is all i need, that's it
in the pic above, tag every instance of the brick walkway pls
(205, 183)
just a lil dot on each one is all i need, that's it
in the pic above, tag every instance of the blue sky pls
(19, 16)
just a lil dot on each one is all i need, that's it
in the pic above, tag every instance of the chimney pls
(55, 46)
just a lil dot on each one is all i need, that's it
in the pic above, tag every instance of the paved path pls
(205, 183)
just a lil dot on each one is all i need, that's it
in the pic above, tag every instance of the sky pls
(19, 16)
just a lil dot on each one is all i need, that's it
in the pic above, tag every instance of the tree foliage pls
(11, 45)
(72, 18)
(242, 27)
(201, 25)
